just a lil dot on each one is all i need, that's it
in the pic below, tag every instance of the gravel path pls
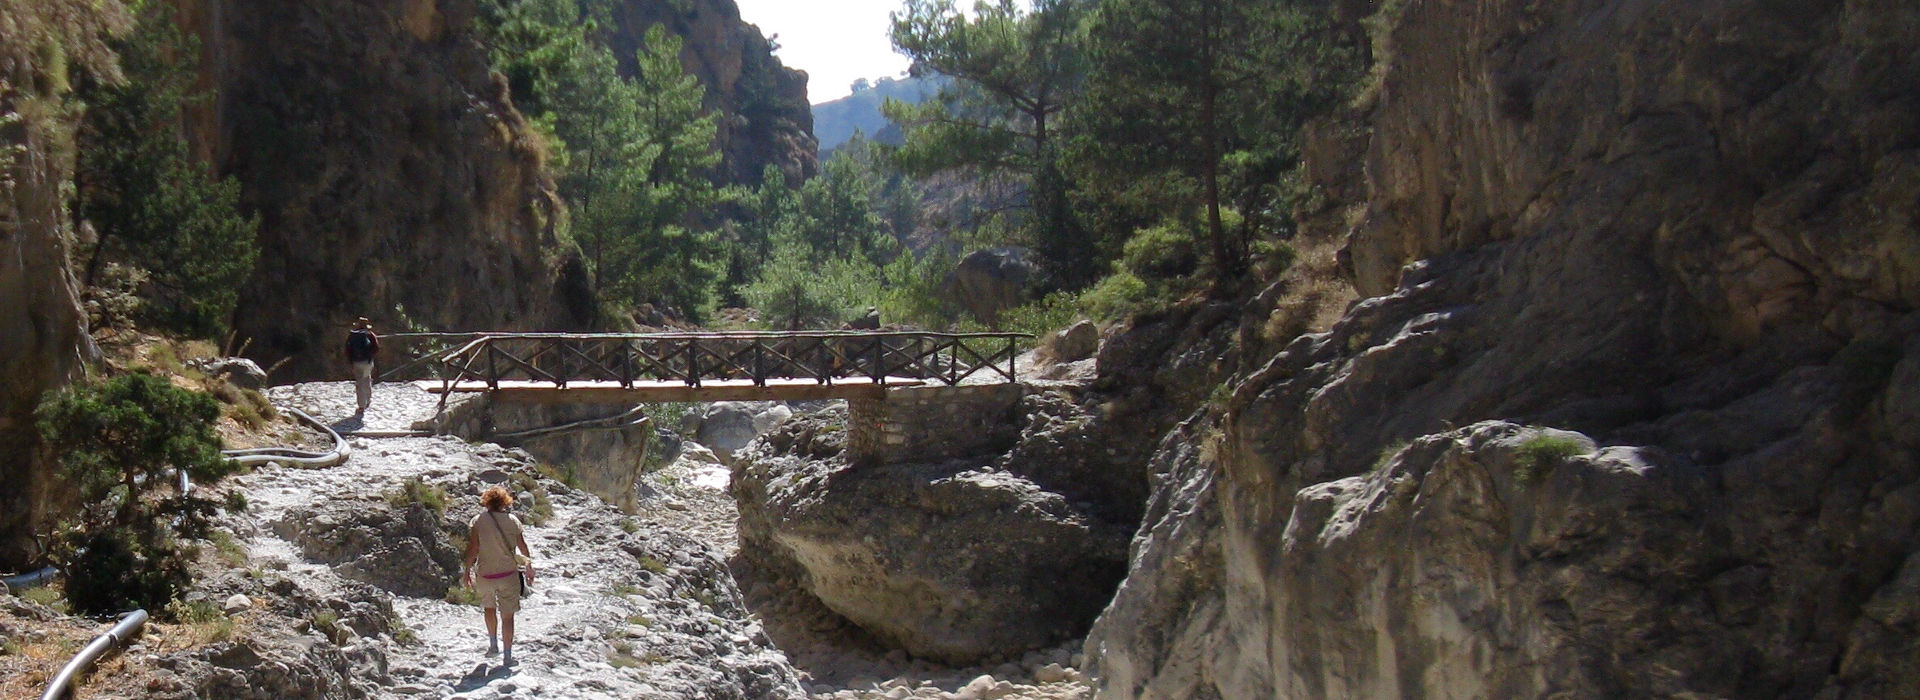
(619, 610)
(635, 606)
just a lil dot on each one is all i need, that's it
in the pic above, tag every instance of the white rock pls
(236, 604)
(1050, 673)
(697, 453)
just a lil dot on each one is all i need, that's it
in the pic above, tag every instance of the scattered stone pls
(1050, 673)
(236, 604)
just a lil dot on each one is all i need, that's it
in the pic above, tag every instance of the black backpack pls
(360, 346)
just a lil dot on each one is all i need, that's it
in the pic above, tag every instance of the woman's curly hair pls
(497, 499)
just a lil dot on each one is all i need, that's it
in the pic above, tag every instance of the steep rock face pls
(766, 119)
(1688, 233)
(393, 177)
(43, 338)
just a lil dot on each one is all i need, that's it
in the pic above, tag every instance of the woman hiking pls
(491, 538)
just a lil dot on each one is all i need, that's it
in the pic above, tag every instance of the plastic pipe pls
(31, 579)
(287, 455)
(126, 629)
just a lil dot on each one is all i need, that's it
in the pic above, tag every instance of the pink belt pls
(502, 574)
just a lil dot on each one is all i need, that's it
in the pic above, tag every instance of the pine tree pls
(1014, 72)
(153, 205)
(1198, 102)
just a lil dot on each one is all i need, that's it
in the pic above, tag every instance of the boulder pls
(1074, 343)
(238, 371)
(765, 420)
(726, 426)
(403, 550)
(947, 561)
(992, 280)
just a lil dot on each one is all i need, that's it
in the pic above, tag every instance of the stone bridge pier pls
(931, 423)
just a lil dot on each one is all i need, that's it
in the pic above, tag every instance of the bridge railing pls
(693, 358)
(411, 356)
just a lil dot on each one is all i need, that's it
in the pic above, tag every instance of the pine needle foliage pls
(121, 445)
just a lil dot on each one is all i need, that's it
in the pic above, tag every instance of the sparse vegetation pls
(1386, 454)
(567, 473)
(652, 564)
(52, 597)
(229, 550)
(1539, 453)
(327, 622)
(541, 509)
(461, 595)
(416, 491)
(205, 621)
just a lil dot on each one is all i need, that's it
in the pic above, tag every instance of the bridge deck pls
(677, 391)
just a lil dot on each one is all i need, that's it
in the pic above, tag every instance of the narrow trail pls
(639, 606)
(617, 610)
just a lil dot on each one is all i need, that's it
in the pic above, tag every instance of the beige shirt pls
(496, 556)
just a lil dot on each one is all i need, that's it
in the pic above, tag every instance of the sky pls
(834, 42)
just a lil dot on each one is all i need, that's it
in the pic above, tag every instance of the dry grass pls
(1315, 297)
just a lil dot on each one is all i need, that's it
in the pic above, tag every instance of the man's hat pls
(362, 322)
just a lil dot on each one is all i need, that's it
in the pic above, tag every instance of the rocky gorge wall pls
(43, 339)
(393, 177)
(1628, 409)
(767, 118)
(396, 180)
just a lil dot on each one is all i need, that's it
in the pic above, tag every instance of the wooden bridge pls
(721, 366)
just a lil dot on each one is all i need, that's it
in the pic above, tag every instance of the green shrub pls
(414, 490)
(121, 444)
(48, 596)
(1042, 316)
(1119, 295)
(1167, 250)
(1539, 453)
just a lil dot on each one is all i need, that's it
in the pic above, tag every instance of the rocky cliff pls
(766, 117)
(1629, 409)
(393, 177)
(43, 339)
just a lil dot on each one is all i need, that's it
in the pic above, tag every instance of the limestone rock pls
(43, 335)
(238, 371)
(236, 604)
(390, 171)
(992, 280)
(1074, 343)
(1707, 273)
(727, 426)
(404, 550)
(947, 561)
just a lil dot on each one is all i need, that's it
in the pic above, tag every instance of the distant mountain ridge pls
(836, 121)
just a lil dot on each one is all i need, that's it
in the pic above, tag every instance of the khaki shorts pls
(502, 593)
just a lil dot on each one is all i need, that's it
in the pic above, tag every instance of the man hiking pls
(362, 345)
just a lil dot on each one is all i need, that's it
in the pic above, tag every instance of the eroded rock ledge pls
(958, 560)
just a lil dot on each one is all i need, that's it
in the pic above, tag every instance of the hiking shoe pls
(507, 660)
